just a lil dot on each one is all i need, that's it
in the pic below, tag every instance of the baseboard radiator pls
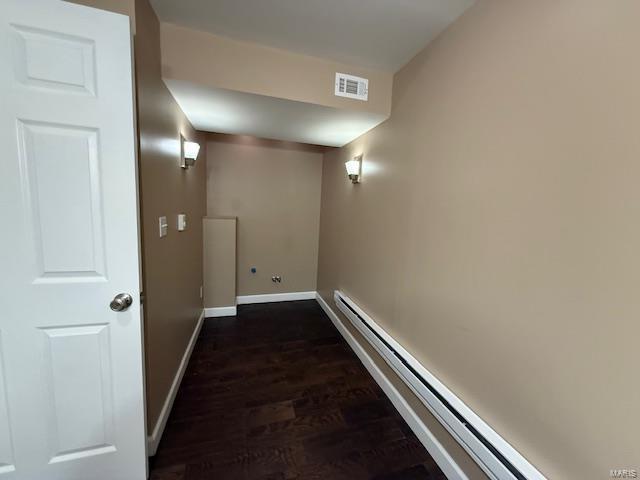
(494, 455)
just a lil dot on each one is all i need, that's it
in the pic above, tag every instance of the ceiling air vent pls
(352, 87)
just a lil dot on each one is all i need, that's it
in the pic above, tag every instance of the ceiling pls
(382, 34)
(226, 111)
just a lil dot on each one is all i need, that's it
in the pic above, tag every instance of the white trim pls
(154, 439)
(275, 297)
(485, 459)
(446, 463)
(220, 312)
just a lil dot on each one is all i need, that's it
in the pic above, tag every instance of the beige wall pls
(220, 62)
(219, 262)
(172, 266)
(273, 188)
(495, 233)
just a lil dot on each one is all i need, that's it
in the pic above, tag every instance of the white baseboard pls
(275, 297)
(446, 463)
(154, 439)
(220, 312)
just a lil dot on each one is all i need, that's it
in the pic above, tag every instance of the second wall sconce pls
(189, 153)
(354, 169)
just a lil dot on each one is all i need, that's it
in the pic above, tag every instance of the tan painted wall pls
(172, 266)
(495, 233)
(274, 190)
(220, 62)
(219, 262)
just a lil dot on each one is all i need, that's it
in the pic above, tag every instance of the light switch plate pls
(182, 222)
(163, 226)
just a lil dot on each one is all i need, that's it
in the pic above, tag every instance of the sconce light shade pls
(354, 169)
(189, 153)
(191, 150)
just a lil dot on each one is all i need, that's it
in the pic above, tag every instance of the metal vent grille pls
(352, 87)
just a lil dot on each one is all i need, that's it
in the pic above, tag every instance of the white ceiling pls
(383, 34)
(226, 111)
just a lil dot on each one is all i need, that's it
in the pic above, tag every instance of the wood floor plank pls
(275, 393)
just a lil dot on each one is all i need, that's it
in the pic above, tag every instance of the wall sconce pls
(189, 153)
(354, 169)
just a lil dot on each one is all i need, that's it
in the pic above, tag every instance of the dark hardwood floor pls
(276, 393)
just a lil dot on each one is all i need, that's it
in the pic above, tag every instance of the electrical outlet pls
(276, 279)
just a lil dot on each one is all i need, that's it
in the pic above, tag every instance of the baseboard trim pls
(220, 312)
(154, 439)
(446, 463)
(275, 297)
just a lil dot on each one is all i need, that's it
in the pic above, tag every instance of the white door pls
(71, 368)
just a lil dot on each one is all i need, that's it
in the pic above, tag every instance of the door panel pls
(73, 71)
(71, 376)
(80, 392)
(61, 166)
(6, 449)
